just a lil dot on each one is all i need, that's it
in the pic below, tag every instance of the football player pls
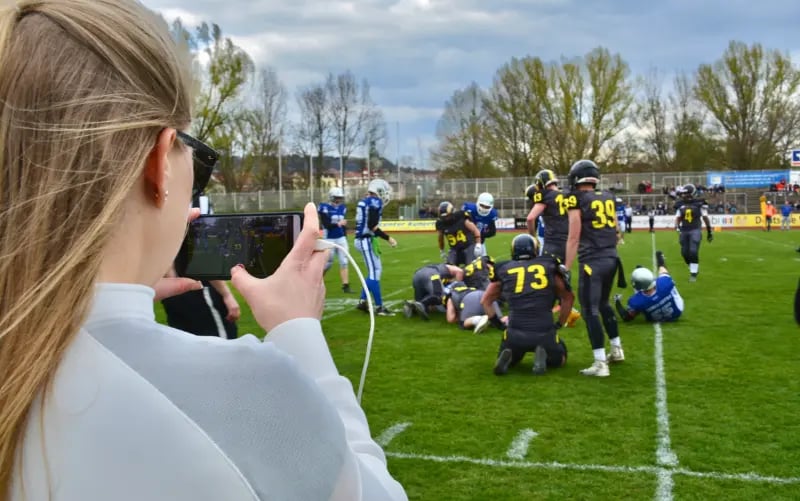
(368, 219)
(461, 234)
(690, 215)
(484, 215)
(332, 218)
(429, 288)
(464, 307)
(593, 235)
(620, 206)
(550, 204)
(531, 284)
(657, 298)
(479, 272)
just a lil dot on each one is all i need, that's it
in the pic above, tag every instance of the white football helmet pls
(642, 279)
(485, 204)
(335, 193)
(380, 188)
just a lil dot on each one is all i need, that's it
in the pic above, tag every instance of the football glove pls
(565, 273)
(478, 250)
(710, 236)
(497, 323)
(443, 254)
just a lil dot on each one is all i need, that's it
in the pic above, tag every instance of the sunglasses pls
(204, 158)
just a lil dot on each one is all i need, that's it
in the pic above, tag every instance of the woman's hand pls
(296, 289)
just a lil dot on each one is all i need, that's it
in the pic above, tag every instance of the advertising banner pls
(747, 179)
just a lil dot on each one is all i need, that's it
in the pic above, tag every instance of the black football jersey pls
(457, 292)
(528, 288)
(433, 272)
(455, 231)
(479, 273)
(556, 220)
(598, 223)
(691, 213)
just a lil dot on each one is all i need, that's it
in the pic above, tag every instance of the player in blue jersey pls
(619, 205)
(657, 298)
(484, 215)
(332, 218)
(368, 220)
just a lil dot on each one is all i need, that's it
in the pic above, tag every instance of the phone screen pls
(215, 244)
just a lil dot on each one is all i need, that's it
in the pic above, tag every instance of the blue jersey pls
(363, 208)
(482, 222)
(540, 227)
(336, 213)
(621, 212)
(664, 305)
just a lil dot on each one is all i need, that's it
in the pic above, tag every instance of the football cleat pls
(503, 361)
(616, 355)
(408, 309)
(383, 311)
(422, 310)
(597, 369)
(481, 324)
(540, 361)
(362, 305)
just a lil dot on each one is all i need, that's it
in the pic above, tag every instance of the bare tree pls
(651, 116)
(513, 121)
(350, 108)
(753, 94)
(313, 132)
(264, 127)
(462, 150)
(375, 138)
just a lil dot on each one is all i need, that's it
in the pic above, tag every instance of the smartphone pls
(216, 243)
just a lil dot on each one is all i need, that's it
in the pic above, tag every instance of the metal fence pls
(425, 192)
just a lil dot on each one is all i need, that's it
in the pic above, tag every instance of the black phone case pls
(182, 259)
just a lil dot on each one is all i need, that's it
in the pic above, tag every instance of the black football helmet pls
(584, 171)
(530, 191)
(445, 210)
(688, 191)
(524, 246)
(545, 178)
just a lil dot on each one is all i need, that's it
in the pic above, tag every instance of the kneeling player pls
(464, 306)
(428, 283)
(479, 273)
(658, 299)
(531, 285)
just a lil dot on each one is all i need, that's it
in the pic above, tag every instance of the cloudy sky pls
(415, 53)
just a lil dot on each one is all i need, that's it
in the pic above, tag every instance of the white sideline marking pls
(554, 465)
(389, 433)
(762, 240)
(519, 446)
(664, 454)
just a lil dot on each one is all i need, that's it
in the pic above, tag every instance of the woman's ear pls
(156, 170)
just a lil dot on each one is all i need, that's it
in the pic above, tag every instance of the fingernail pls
(240, 265)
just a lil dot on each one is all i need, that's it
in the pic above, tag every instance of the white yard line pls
(390, 433)
(665, 457)
(519, 447)
(355, 301)
(762, 240)
(555, 465)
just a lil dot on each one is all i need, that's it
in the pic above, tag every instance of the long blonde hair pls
(85, 88)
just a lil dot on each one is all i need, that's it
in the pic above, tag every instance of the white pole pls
(311, 176)
(280, 175)
(398, 154)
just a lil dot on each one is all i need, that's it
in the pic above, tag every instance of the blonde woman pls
(98, 401)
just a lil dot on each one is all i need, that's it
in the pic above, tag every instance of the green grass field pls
(705, 408)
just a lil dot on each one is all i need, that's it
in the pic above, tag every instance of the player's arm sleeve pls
(373, 219)
(325, 221)
(625, 314)
(364, 474)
